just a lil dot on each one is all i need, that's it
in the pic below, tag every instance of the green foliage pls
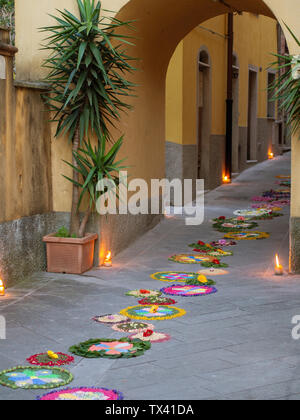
(63, 232)
(7, 16)
(94, 165)
(87, 73)
(88, 77)
(7, 3)
(287, 86)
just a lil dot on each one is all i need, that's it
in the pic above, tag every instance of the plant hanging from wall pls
(88, 68)
(286, 87)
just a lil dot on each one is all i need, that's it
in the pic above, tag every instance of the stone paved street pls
(235, 344)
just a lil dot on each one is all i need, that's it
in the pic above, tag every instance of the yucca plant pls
(286, 87)
(87, 73)
(93, 166)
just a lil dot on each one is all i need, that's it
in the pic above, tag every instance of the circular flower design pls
(191, 258)
(110, 348)
(215, 263)
(251, 212)
(210, 250)
(234, 224)
(185, 291)
(213, 272)
(85, 394)
(182, 277)
(269, 206)
(171, 276)
(283, 183)
(221, 253)
(157, 301)
(247, 235)
(222, 243)
(283, 191)
(132, 327)
(159, 313)
(34, 377)
(43, 359)
(262, 199)
(275, 195)
(283, 176)
(110, 319)
(156, 337)
(141, 293)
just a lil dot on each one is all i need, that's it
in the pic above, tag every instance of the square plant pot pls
(70, 255)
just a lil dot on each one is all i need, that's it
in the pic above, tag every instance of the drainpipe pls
(229, 100)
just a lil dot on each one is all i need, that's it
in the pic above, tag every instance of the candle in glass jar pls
(278, 267)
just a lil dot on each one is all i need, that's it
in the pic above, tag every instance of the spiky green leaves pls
(95, 164)
(86, 73)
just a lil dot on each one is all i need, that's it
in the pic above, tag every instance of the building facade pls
(196, 94)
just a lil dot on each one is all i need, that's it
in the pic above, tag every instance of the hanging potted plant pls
(87, 79)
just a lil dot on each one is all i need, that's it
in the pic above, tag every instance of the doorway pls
(252, 115)
(235, 115)
(204, 115)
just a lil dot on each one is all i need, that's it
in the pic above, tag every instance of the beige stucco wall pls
(160, 25)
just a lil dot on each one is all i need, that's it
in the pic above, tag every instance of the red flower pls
(197, 250)
(148, 333)
(144, 292)
(222, 218)
(201, 243)
(216, 262)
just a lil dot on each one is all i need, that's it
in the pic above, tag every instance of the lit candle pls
(2, 288)
(278, 267)
(107, 261)
(226, 179)
(271, 155)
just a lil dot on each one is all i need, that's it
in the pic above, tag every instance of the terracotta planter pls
(70, 255)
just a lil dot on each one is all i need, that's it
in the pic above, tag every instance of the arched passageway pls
(160, 27)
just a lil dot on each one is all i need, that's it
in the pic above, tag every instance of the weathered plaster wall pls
(25, 183)
(25, 173)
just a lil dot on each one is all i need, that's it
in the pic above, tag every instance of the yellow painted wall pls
(174, 97)
(253, 48)
(216, 48)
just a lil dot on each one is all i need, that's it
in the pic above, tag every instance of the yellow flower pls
(202, 279)
(52, 355)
